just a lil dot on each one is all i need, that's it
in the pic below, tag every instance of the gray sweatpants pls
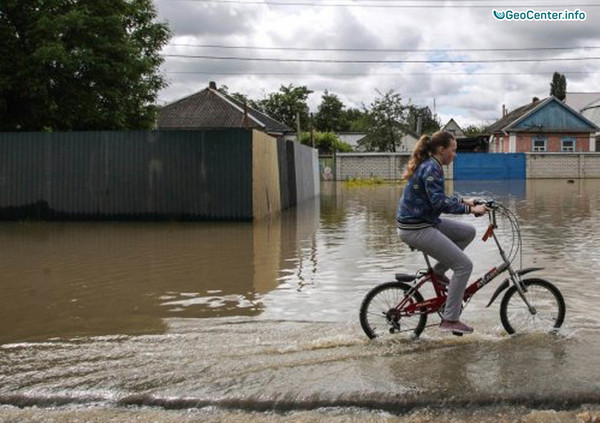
(445, 243)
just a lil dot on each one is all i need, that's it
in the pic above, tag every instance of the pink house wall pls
(553, 142)
(524, 142)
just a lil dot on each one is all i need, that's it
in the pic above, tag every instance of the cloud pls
(475, 92)
(205, 19)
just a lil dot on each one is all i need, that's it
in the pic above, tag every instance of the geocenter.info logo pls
(536, 15)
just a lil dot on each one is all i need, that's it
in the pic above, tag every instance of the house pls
(465, 144)
(547, 125)
(351, 138)
(580, 100)
(454, 129)
(357, 139)
(211, 109)
(588, 104)
(408, 142)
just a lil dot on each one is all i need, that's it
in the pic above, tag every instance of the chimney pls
(535, 100)
(212, 85)
(504, 111)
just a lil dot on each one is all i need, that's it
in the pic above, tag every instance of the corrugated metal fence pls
(131, 175)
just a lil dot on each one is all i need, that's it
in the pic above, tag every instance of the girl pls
(420, 226)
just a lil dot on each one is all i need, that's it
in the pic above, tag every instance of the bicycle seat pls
(404, 277)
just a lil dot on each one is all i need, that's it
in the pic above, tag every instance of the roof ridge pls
(230, 101)
(260, 112)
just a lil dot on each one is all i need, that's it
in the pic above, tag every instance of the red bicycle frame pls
(408, 306)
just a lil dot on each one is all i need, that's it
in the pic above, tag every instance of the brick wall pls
(387, 166)
(563, 165)
(553, 142)
(390, 166)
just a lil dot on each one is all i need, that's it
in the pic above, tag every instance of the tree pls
(475, 130)
(429, 122)
(386, 123)
(80, 64)
(241, 97)
(356, 119)
(330, 114)
(558, 86)
(285, 103)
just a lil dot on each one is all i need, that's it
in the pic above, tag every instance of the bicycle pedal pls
(457, 333)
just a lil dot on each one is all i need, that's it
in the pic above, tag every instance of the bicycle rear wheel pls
(544, 297)
(380, 316)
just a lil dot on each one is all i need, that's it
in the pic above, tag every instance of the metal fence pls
(133, 175)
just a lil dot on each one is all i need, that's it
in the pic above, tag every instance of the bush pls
(326, 142)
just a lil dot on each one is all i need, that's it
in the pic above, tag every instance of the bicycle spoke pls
(547, 305)
(382, 311)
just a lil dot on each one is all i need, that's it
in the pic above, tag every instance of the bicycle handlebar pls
(490, 203)
(495, 208)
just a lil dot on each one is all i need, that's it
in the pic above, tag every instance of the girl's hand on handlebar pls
(469, 201)
(479, 210)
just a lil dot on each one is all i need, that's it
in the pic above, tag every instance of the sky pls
(469, 62)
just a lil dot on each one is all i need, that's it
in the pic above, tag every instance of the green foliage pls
(558, 86)
(80, 64)
(242, 98)
(284, 104)
(358, 120)
(429, 122)
(475, 130)
(359, 183)
(326, 142)
(330, 114)
(370, 182)
(387, 123)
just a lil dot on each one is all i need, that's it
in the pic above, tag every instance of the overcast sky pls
(468, 92)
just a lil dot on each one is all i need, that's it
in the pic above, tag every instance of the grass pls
(369, 182)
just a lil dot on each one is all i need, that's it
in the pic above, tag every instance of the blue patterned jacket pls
(424, 199)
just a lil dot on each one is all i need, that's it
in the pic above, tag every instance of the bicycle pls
(528, 304)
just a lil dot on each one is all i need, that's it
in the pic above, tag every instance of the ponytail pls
(419, 154)
(425, 147)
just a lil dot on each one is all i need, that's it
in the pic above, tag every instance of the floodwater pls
(259, 321)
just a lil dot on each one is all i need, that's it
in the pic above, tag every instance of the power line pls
(493, 2)
(396, 6)
(384, 50)
(381, 74)
(273, 59)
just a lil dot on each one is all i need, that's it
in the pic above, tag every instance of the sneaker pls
(455, 327)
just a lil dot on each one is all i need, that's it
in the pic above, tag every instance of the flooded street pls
(259, 321)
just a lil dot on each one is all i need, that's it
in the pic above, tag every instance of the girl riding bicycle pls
(420, 226)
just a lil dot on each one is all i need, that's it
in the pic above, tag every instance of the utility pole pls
(298, 135)
(312, 135)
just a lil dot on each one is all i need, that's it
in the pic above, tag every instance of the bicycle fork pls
(514, 277)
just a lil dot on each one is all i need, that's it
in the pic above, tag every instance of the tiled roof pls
(210, 109)
(272, 125)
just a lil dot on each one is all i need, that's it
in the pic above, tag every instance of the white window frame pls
(570, 149)
(539, 149)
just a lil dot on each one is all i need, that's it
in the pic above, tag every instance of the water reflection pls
(314, 262)
(504, 188)
(70, 279)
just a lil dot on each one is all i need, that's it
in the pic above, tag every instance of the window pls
(568, 144)
(539, 143)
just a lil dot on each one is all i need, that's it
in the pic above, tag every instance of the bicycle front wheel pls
(548, 306)
(380, 314)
